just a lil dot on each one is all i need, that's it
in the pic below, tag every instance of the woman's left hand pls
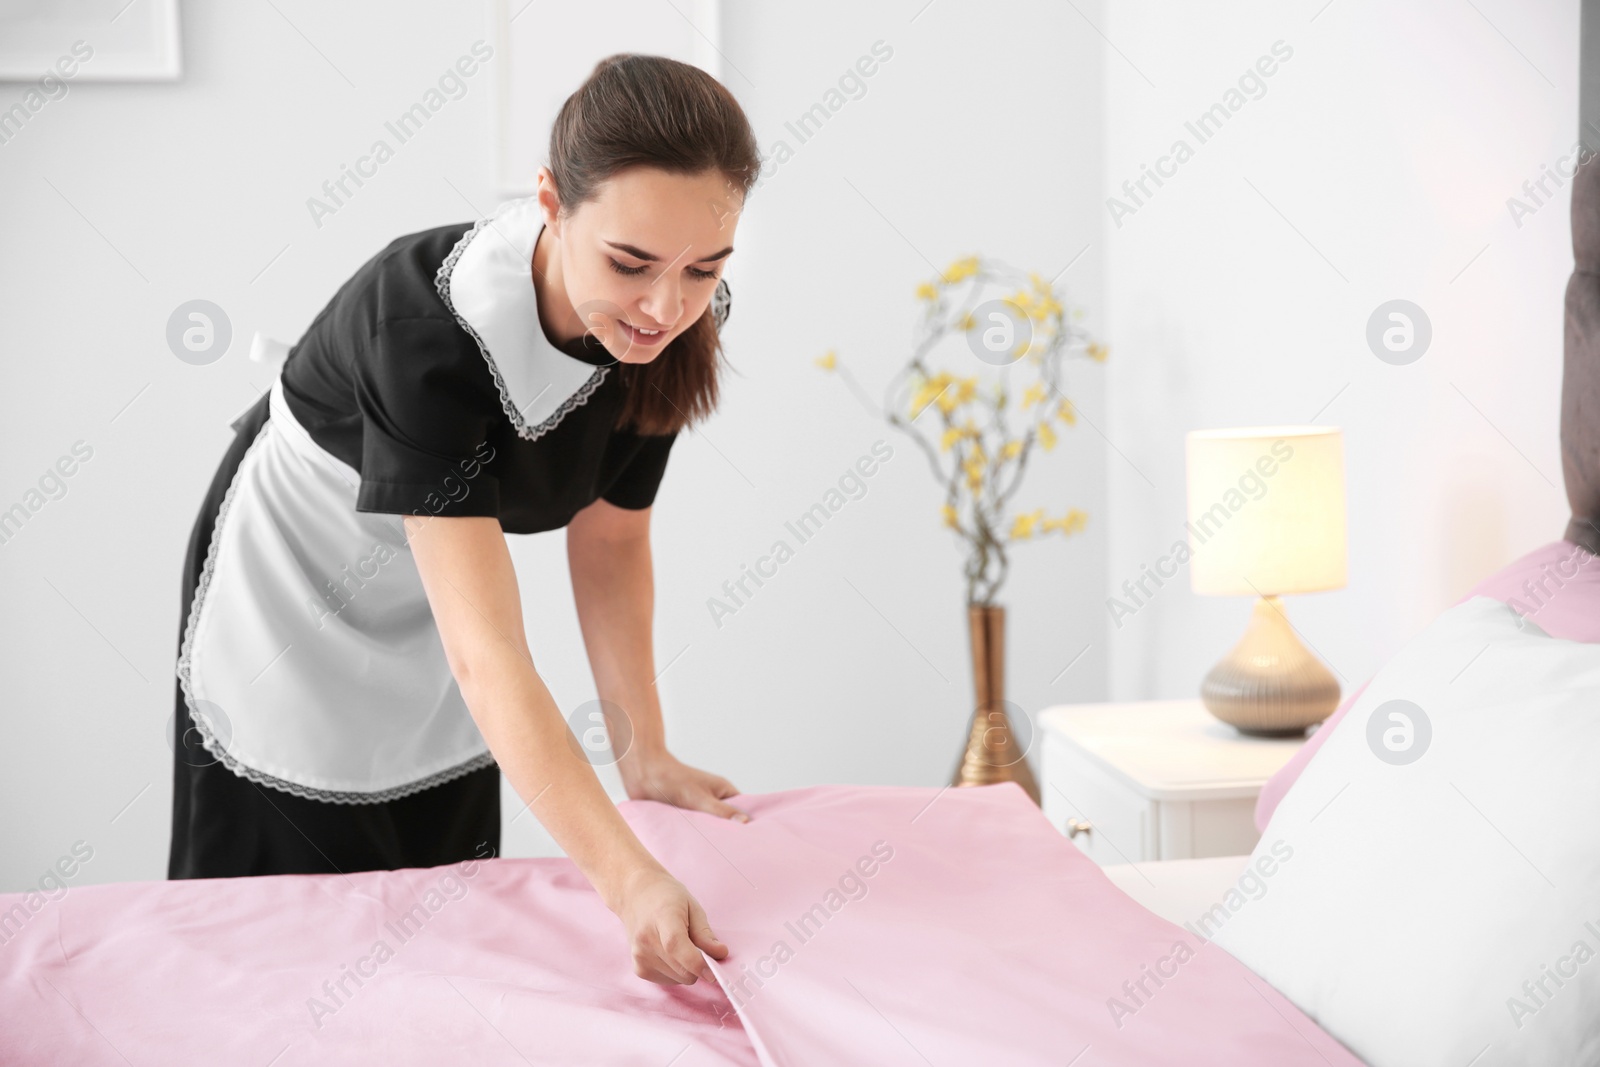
(664, 777)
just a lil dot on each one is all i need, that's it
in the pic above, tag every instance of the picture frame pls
(544, 50)
(90, 40)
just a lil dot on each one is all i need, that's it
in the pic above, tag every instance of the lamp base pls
(1270, 685)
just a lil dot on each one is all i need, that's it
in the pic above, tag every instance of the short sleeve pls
(428, 405)
(635, 486)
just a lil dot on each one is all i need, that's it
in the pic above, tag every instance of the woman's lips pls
(643, 340)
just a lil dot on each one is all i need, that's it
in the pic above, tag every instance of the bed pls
(870, 925)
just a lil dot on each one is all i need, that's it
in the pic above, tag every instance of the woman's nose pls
(663, 302)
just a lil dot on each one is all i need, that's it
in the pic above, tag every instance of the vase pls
(993, 753)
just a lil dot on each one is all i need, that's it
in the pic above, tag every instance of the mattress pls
(1178, 890)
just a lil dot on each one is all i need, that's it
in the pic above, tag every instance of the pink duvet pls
(868, 925)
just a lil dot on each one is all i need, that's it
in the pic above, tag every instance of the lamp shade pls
(1266, 510)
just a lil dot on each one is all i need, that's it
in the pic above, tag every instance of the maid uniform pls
(318, 727)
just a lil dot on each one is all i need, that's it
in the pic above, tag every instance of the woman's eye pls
(694, 272)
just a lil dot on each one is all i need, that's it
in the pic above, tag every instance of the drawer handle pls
(1078, 826)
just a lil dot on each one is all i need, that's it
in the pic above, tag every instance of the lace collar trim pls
(485, 283)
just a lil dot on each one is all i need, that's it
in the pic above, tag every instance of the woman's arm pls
(608, 554)
(472, 588)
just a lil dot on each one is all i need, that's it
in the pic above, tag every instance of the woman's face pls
(639, 262)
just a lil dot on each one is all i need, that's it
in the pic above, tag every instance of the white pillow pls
(1446, 910)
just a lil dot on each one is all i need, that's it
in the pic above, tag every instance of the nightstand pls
(1155, 780)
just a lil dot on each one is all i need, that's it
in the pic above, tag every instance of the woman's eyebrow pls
(639, 253)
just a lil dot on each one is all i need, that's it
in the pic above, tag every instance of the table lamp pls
(1266, 518)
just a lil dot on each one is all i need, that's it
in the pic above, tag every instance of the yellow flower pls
(949, 516)
(829, 361)
(1022, 526)
(961, 268)
(926, 390)
(1011, 449)
(1032, 395)
(1066, 413)
(1070, 523)
(927, 291)
(966, 389)
(951, 436)
(1038, 282)
(1097, 351)
(966, 322)
(1047, 436)
(952, 391)
(974, 470)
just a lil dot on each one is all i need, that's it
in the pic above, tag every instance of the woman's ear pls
(549, 200)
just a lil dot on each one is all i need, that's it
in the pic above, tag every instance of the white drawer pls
(1197, 829)
(1153, 780)
(1121, 822)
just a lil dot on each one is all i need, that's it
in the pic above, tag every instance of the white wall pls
(982, 134)
(1376, 166)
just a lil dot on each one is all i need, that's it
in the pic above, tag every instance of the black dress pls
(318, 728)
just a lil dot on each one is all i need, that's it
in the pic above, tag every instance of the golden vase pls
(993, 753)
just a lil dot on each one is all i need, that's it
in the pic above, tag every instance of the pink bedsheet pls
(870, 925)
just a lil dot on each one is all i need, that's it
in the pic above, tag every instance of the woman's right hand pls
(667, 929)
(472, 590)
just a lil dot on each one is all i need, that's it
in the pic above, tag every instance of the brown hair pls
(639, 110)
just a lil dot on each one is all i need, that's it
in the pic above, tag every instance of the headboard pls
(1580, 375)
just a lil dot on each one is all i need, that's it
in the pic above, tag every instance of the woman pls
(353, 673)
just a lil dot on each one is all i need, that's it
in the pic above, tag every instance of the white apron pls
(310, 660)
(310, 648)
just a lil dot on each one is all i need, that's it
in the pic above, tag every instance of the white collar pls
(486, 282)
